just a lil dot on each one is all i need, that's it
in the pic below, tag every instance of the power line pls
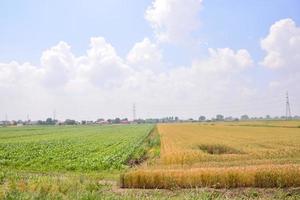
(224, 107)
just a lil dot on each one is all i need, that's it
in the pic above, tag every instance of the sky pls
(96, 58)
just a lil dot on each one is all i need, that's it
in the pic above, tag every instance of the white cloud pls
(173, 20)
(145, 55)
(101, 83)
(16, 74)
(282, 45)
(102, 65)
(58, 65)
(225, 60)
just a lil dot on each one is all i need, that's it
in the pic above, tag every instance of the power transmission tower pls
(288, 114)
(133, 112)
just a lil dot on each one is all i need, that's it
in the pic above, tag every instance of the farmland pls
(104, 162)
(223, 155)
(70, 148)
(223, 145)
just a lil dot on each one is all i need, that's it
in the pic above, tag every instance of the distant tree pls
(244, 117)
(176, 119)
(83, 122)
(140, 121)
(49, 121)
(202, 118)
(40, 122)
(117, 121)
(268, 117)
(219, 117)
(70, 122)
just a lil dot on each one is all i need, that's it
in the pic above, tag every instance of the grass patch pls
(148, 150)
(218, 149)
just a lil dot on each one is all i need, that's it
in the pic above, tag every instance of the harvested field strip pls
(265, 176)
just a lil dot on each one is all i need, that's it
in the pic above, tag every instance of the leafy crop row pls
(82, 148)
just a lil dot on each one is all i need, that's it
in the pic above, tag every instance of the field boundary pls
(143, 151)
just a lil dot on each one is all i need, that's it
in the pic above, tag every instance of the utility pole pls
(6, 119)
(133, 112)
(54, 114)
(288, 114)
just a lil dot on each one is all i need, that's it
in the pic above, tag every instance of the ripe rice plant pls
(231, 177)
(188, 144)
(223, 155)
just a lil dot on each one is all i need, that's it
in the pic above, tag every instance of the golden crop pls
(223, 155)
(224, 177)
(182, 143)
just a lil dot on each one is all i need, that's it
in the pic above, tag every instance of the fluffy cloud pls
(21, 74)
(145, 55)
(58, 65)
(173, 20)
(282, 45)
(102, 65)
(225, 60)
(102, 83)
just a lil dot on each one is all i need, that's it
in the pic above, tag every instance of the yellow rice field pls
(245, 154)
(181, 144)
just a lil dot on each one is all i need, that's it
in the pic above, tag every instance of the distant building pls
(100, 121)
(124, 121)
(229, 119)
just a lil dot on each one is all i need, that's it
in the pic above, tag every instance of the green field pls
(70, 148)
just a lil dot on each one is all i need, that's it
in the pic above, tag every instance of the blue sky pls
(30, 31)
(29, 27)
